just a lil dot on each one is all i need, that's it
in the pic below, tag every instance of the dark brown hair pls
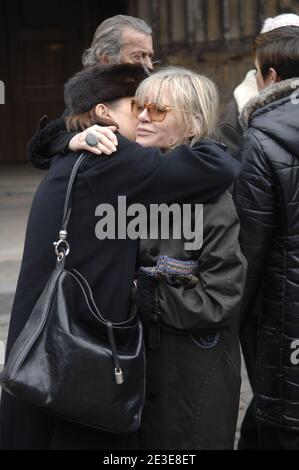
(80, 122)
(278, 49)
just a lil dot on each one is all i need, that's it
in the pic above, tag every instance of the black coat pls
(267, 199)
(230, 131)
(144, 176)
(192, 342)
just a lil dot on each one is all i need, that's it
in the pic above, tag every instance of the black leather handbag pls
(70, 361)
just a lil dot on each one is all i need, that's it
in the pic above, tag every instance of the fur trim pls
(270, 94)
(246, 91)
(102, 84)
(37, 147)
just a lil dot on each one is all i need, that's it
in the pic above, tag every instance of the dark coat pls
(192, 344)
(51, 139)
(229, 125)
(267, 199)
(230, 130)
(144, 176)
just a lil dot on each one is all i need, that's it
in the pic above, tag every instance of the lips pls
(142, 132)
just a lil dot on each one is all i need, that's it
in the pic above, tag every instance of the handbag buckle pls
(119, 376)
(62, 247)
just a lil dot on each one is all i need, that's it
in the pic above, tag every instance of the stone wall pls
(213, 37)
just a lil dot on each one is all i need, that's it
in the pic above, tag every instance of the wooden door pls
(40, 48)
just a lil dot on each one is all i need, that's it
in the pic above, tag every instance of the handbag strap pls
(68, 200)
(62, 247)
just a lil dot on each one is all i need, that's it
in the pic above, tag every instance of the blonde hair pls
(184, 90)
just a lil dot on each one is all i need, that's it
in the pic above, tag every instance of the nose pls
(148, 63)
(144, 117)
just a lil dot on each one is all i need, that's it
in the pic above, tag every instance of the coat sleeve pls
(216, 298)
(147, 176)
(255, 201)
(48, 142)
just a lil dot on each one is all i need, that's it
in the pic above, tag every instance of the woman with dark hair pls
(188, 293)
(100, 95)
(267, 200)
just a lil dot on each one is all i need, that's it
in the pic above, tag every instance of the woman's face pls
(120, 112)
(159, 134)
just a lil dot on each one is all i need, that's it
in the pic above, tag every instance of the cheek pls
(124, 57)
(259, 81)
(170, 133)
(131, 126)
(165, 135)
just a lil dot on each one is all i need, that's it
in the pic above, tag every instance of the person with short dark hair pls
(229, 126)
(231, 134)
(267, 200)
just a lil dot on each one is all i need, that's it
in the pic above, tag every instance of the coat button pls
(154, 251)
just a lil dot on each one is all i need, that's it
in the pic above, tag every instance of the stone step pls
(4, 322)
(9, 190)
(9, 272)
(6, 301)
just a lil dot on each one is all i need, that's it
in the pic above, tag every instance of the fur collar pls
(246, 91)
(37, 148)
(273, 93)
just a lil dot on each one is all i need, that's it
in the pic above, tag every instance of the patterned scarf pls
(173, 271)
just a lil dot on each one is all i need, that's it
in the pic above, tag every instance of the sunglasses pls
(155, 111)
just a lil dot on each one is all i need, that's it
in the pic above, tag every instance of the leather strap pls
(68, 200)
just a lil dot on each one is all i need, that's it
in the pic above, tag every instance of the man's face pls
(136, 47)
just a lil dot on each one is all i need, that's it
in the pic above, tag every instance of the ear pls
(274, 77)
(104, 58)
(192, 130)
(102, 111)
(191, 133)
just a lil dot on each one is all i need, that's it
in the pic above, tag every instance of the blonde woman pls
(188, 297)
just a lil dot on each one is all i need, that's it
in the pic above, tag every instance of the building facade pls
(41, 45)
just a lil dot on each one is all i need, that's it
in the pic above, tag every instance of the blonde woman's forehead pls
(156, 92)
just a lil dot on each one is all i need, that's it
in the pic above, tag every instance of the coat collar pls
(246, 91)
(273, 93)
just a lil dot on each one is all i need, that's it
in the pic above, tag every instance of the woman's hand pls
(107, 140)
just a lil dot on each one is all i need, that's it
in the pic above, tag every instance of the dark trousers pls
(272, 438)
(248, 339)
(23, 427)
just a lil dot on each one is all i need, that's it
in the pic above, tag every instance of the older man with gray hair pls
(120, 39)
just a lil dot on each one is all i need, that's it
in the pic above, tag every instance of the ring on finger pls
(91, 140)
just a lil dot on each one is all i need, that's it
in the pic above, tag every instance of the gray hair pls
(107, 38)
